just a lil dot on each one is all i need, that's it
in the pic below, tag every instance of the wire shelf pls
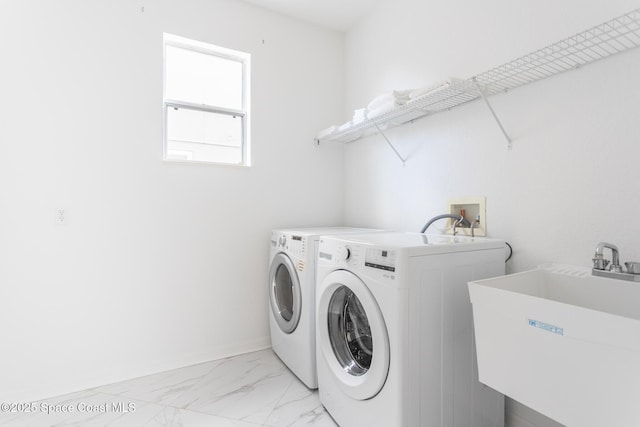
(612, 37)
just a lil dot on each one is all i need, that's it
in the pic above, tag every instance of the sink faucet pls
(599, 263)
(615, 271)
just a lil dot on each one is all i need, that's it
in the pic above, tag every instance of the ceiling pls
(339, 15)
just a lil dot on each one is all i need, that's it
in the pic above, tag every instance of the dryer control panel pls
(296, 245)
(290, 243)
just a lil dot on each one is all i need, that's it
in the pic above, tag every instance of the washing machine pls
(292, 276)
(395, 342)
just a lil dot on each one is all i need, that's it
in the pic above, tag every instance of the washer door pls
(285, 294)
(353, 335)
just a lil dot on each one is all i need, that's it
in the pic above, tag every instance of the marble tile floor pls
(253, 389)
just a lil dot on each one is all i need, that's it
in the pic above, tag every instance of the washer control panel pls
(344, 253)
(339, 254)
(382, 259)
(374, 261)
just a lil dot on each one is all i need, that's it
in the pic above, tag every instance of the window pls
(206, 103)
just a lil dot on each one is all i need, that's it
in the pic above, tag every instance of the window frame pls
(244, 113)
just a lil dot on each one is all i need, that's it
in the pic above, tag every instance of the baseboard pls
(513, 420)
(139, 369)
(519, 415)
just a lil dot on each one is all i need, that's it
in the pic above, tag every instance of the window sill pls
(201, 163)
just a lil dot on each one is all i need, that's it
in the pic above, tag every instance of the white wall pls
(160, 265)
(570, 180)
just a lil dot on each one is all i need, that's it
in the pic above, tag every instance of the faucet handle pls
(599, 263)
(633, 267)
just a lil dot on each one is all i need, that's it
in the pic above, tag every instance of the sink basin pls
(562, 342)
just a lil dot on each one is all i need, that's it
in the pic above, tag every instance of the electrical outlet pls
(61, 217)
(472, 208)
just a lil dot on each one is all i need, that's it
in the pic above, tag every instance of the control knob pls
(282, 241)
(345, 253)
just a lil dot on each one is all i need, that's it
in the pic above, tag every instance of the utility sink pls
(562, 342)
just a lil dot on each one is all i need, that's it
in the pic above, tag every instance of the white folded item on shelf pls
(326, 132)
(379, 100)
(359, 115)
(382, 108)
(345, 126)
(398, 97)
(402, 95)
(359, 112)
(428, 90)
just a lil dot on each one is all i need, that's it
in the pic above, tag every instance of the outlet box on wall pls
(471, 208)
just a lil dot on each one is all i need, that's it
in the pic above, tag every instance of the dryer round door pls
(285, 293)
(353, 335)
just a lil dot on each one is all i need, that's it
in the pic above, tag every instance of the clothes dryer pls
(394, 330)
(292, 276)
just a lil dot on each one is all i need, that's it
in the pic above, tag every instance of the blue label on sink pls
(546, 326)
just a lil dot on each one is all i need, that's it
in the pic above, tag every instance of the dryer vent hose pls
(463, 222)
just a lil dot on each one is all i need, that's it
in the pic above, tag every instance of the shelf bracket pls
(493, 113)
(388, 142)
